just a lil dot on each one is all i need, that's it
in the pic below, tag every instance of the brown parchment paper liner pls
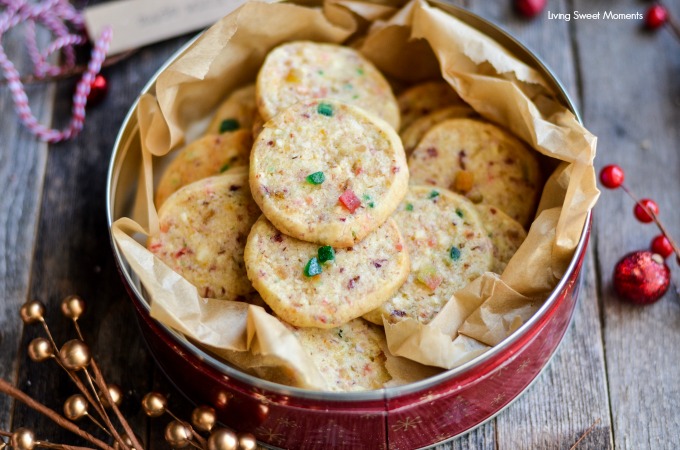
(412, 43)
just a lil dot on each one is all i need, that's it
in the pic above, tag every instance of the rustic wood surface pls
(614, 375)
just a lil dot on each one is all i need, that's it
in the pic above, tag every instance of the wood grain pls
(73, 254)
(22, 167)
(571, 394)
(631, 95)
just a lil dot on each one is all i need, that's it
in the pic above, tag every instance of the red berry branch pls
(642, 277)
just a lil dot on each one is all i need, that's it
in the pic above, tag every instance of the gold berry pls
(154, 404)
(73, 307)
(40, 349)
(116, 395)
(203, 418)
(75, 407)
(32, 312)
(223, 439)
(127, 441)
(246, 441)
(23, 439)
(75, 355)
(177, 434)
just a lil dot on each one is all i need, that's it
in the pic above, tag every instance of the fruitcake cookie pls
(422, 99)
(448, 248)
(236, 112)
(203, 231)
(349, 357)
(326, 172)
(210, 155)
(481, 161)
(308, 285)
(305, 70)
(505, 233)
(411, 135)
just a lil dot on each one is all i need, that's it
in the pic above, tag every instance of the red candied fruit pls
(349, 200)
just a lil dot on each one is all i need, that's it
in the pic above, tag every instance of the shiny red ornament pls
(656, 17)
(98, 90)
(612, 176)
(641, 213)
(530, 8)
(662, 246)
(641, 277)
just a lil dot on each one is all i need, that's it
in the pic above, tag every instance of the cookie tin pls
(412, 416)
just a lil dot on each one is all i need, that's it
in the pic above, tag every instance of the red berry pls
(641, 277)
(98, 90)
(530, 8)
(656, 17)
(662, 246)
(641, 213)
(612, 176)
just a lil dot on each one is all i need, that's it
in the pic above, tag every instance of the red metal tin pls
(412, 416)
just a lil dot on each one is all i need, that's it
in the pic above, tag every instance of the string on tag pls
(66, 25)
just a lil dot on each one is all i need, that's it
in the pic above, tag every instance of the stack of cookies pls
(299, 198)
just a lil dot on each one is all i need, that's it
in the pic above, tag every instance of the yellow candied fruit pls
(294, 76)
(464, 181)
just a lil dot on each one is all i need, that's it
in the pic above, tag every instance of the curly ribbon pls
(59, 17)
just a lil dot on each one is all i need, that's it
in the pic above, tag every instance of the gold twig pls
(101, 382)
(586, 433)
(102, 411)
(96, 422)
(8, 389)
(59, 446)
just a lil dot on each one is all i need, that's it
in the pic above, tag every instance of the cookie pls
(423, 99)
(210, 155)
(349, 357)
(236, 112)
(481, 161)
(258, 125)
(326, 172)
(505, 233)
(303, 70)
(203, 232)
(411, 135)
(448, 248)
(311, 286)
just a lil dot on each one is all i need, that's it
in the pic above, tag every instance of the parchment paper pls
(408, 44)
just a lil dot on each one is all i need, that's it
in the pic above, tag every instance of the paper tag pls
(136, 23)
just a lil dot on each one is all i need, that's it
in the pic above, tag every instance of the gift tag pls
(136, 23)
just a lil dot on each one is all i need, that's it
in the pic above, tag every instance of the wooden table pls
(615, 374)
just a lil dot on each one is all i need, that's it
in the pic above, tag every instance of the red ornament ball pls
(662, 246)
(612, 176)
(530, 8)
(641, 277)
(98, 90)
(656, 17)
(641, 213)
